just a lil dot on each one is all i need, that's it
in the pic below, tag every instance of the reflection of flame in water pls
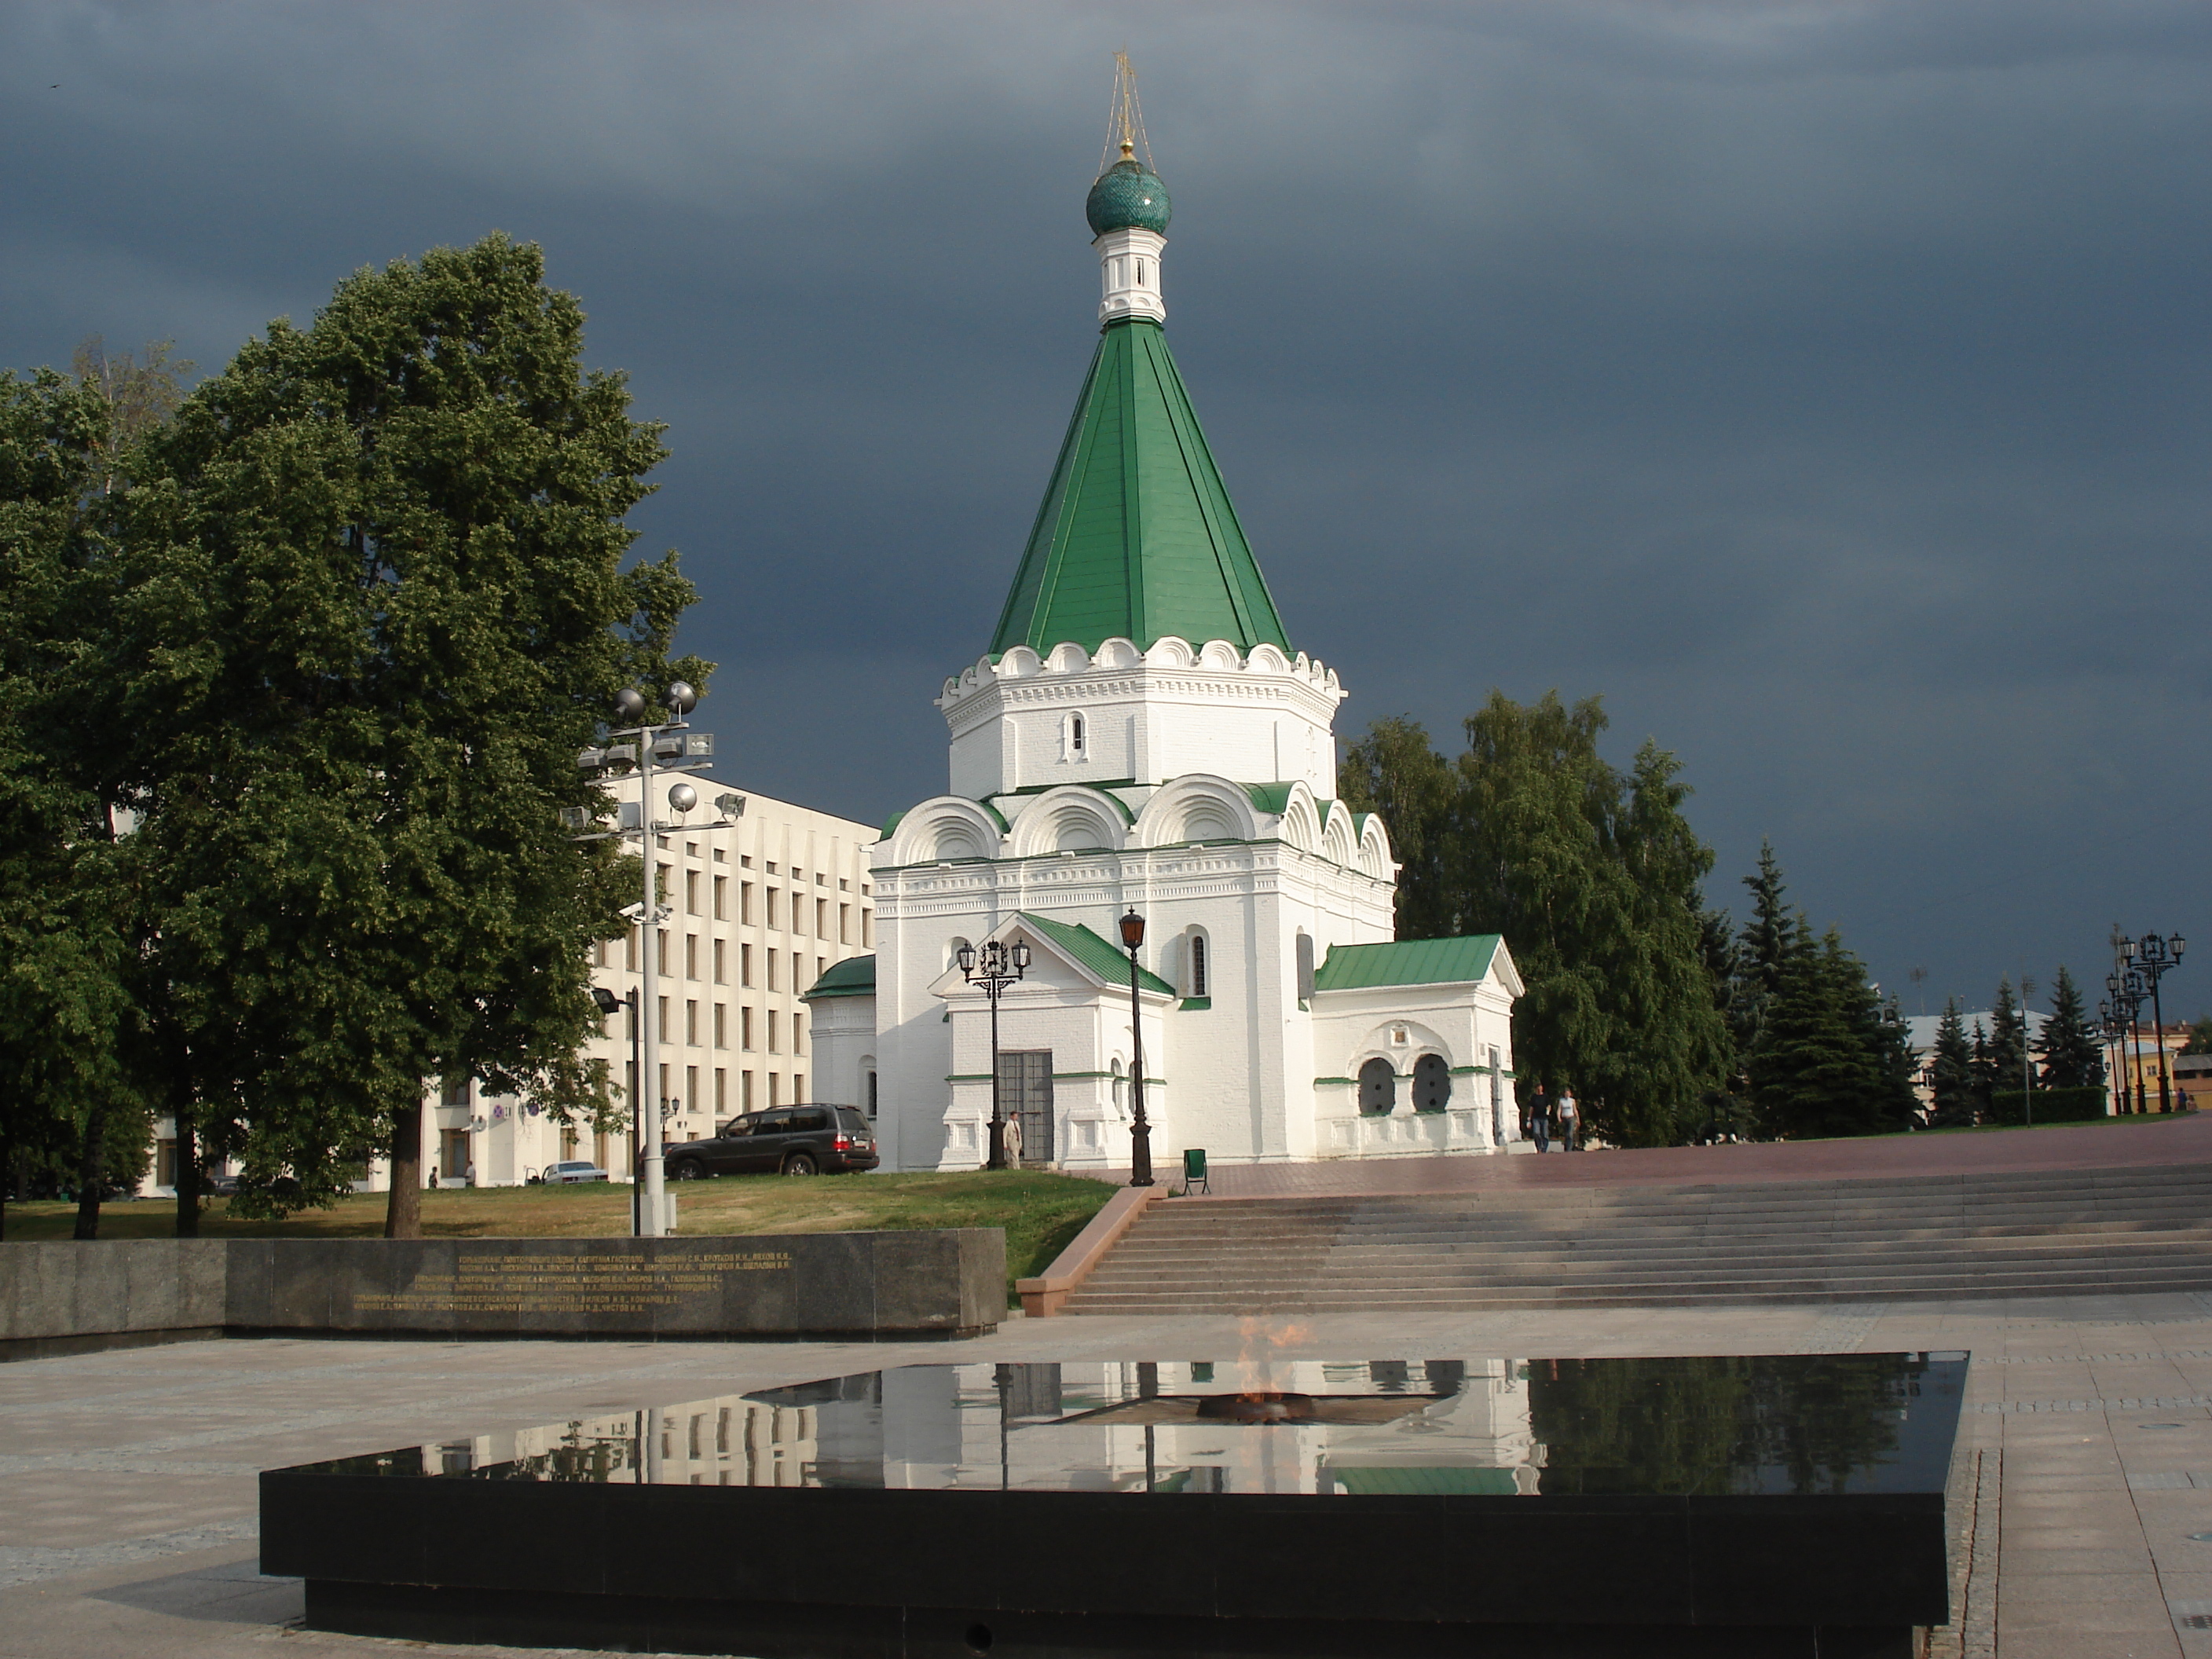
(1257, 1406)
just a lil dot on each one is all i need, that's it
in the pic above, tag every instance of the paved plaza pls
(128, 1528)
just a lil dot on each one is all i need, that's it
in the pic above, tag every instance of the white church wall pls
(1400, 1023)
(1175, 709)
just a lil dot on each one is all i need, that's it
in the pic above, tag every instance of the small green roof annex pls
(1463, 961)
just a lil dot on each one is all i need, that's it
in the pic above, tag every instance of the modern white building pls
(762, 910)
(1142, 735)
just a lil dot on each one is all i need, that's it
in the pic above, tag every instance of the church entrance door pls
(1025, 1097)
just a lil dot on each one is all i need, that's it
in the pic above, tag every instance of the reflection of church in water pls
(1377, 1427)
(1142, 734)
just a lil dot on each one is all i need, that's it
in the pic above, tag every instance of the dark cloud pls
(1826, 385)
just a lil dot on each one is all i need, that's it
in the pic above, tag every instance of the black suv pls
(794, 1140)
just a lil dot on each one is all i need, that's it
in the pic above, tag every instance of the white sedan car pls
(568, 1173)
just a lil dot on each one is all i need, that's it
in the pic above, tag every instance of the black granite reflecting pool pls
(1749, 1504)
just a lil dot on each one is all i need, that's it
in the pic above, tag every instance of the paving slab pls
(130, 1527)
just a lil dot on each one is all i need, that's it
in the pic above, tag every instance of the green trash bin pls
(1194, 1170)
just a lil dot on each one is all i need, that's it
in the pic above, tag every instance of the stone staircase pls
(2045, 1233)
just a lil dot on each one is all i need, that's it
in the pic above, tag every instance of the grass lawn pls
(1039, 1211)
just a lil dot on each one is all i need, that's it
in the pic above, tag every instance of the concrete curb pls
(1041, 1298)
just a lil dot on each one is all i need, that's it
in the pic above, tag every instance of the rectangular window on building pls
(721, 1091)
(629, 949)
(721, 962)
(746, 1028)
(745, 903)
(771, 971)
(774, 1089)
(664, 1084)
(721, 1025)
(691, 1088)
(629, 1082)
(662, 934)
(867, 927)
(799, 1085)
(691, 892)
(822, 918)
(797, 1034)
(775, 896)
(744, 1091)
(691, 1023)
(722, 897)
(772, 1047)
(455, 1094)
(690, 955)
(844, 924)
(821, 966)
(662, 1028)
(871, 1094)
(745, 966)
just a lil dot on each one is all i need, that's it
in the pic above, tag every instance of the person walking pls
(1009, 1137)
(1570, 1120)
(1539, 1120)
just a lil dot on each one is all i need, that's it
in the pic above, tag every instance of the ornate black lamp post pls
(2153, 956)
(2128, 994)
(1140, 1132)
(1001, 965)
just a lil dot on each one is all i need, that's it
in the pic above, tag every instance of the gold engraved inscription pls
(569, 1283)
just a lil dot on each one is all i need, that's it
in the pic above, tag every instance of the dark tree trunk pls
(90, 1173)
(188, 1166)
(7, 1181)
(402, 1210)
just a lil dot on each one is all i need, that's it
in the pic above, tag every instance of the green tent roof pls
(856, 976)
(1407, 961)
(1093, 952)
(1136, 539)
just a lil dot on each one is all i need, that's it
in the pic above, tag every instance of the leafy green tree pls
(1954, 1065)
(70, 1107)
(2072, 1053)
(1591, 874)
(2200, 1037)
(371, 604)
(1394, 771)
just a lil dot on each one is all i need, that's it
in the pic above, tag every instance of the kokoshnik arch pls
(1142, 734)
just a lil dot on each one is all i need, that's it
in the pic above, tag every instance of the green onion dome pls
(1128, 195)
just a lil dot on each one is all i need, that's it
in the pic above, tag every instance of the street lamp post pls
(1001, 965)
(2154, 956)
(1141, 1131)
(608, 1002)
(665, 747)
(2127, 988)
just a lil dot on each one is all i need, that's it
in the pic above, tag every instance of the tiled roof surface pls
(1093, 952)
(1407, 961)
(1136, 539)
(856, 976)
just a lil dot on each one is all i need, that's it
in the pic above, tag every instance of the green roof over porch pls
(1085, 947)
(1462, 960)
(1136, 539)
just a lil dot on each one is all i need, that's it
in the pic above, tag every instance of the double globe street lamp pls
(653, 748)
(994, 968)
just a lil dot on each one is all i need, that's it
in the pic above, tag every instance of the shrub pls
(2050, 1105)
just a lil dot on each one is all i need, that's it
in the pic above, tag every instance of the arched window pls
(1431, 1084)
(1120, 1104)
(1378, 1088)
(1305, 966)
(1197, 975)
(953, 947)
(1075, 735)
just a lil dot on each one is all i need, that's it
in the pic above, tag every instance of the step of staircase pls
(2038, 1233)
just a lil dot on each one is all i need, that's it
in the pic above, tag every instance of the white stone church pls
(1142, 735)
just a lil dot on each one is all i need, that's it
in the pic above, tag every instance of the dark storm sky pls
(1826, 386)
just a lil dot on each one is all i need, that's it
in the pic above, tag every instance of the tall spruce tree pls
(371, 607)
(1953, 1065)
(2008, 1049)
(1818, 1069)
(2073, 1055)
